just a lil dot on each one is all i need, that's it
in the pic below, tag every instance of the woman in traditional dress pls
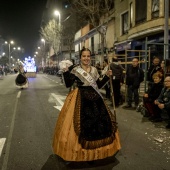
(86, 129)
(21, 79)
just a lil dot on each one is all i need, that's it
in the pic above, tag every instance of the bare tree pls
(52, 34)
(93, 11)
(69, 29)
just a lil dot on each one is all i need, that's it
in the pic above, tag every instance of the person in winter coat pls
(153, 111)
(134, 76)
(155, 66)
(117, 79)
(107, 85)
(163, 101)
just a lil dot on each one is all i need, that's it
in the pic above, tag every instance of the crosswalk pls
(58, 100)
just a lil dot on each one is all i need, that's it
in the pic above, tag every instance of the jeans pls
(132, 92)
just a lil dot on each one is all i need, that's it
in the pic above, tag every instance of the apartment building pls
(127, 28)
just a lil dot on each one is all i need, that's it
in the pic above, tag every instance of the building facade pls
(132, 25)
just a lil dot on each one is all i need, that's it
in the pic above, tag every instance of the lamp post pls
(57, 13)
(43, 40)
(9, 50)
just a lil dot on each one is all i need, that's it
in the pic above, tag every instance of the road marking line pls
(19, 94)
(58, 98)
(9, 138)
(58, 107)
(2, 142)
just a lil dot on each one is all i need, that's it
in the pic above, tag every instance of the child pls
(163, 101)
(154, 112)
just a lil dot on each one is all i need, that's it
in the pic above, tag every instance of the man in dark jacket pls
(117, 79)
(154, 67)
(134, 76)
(163, 101)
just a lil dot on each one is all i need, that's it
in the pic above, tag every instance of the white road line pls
(59, 99)
(2, 142)
(58, 107)
(19, 94)
(9, 138)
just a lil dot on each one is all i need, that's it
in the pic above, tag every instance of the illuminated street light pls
(9, 50)
(43, 41)
(57, 13)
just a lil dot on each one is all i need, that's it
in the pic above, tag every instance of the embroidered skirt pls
(21, 81)
(71, 144)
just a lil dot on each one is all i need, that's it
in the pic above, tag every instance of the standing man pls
(154, 67)
(117, 79)
(107, 85)
(134, 76)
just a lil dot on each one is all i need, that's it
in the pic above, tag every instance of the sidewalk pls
(124, 88)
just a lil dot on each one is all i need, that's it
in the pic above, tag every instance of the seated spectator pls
(163, 101)
(153, 111)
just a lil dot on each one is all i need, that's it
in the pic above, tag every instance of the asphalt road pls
(27, 121)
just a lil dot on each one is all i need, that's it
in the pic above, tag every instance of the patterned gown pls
(21, 80)
(86, 129)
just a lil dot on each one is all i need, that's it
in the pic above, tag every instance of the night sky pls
(20, 21)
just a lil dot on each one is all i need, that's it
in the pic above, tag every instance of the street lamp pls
(43, 42)
(9, 52)
(42, 64)
(57, 13)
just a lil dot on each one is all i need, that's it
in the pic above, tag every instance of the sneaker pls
(167, 126)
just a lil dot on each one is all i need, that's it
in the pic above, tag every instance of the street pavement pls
(145, 145)
(27, 121)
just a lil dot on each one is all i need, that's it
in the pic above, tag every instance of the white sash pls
(88, 77)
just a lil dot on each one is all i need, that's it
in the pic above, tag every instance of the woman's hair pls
(84, 49)
(157, 74)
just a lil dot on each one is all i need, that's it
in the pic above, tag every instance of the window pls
(141, 11)
(125, 25)
(155, 8)
(92, 45)
(131, 14)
